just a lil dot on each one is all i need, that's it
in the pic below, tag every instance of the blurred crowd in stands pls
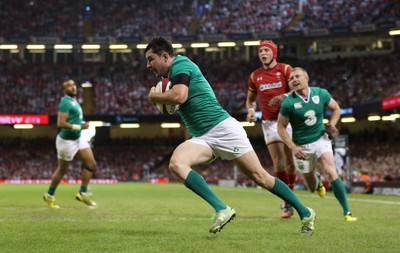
(121, 159)
(126, 18)
(241, 17)
(143, 159)
(378, 160)
(367, 83)
(122, 88)
(339, 14)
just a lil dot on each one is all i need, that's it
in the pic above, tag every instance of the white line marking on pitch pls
(359, 200)
(328, 197)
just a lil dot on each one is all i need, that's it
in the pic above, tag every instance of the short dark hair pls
(159, 45)
(301, 69)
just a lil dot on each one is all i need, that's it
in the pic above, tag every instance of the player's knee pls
(62, 171)
(258, 181)
(174, 165)
(279, 165)
(92, 167)
(263, 180)
(179, 168)
(330, 174)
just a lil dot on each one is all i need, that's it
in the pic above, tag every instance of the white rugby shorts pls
(270, 130)
(228, 140)
(67, 149)
(314, 151)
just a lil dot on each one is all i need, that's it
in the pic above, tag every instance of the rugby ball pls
(163, 86)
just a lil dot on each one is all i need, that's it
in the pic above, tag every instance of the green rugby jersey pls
(201, 111)
(73, 109)
(306, 117)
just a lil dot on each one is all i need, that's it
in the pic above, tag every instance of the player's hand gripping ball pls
(163, 86)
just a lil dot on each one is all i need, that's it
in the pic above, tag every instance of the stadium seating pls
(124, 19)
(127, 160)
(122, 89)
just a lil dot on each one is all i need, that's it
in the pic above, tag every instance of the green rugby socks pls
(198, 185)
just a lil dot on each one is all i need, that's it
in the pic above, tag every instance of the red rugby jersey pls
(268, 84)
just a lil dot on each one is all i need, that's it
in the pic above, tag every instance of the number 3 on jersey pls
(311, 119)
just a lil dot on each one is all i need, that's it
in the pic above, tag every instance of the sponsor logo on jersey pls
(268, 86)
(298, 105)
(315, 99)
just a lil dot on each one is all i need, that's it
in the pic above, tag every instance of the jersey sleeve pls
(63, 107)
(250, 84)
(285, 108)
(182, 66)
(287, 71)
(181, 78)
(325, 96)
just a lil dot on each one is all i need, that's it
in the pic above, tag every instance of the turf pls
(140, 217)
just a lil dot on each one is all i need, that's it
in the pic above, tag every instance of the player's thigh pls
(326, 164)
(191, 154)
(87, 157)
(289, 160)
(251, 166)
(277, 152)
(62, 166)
(310, 179)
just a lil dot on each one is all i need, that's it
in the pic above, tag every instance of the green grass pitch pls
(140, 217)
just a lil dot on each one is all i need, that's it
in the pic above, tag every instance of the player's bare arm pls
(296, 150)
(277, 100)
(251, 105)
(330, 128)
(62, 122)
(178, 94)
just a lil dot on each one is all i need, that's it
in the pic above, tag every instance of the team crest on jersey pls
(297, 105)
(315, 99)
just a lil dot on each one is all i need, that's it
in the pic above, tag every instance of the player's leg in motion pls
(280, 163)
(187, 155)
(55, 181)
(291, 168)
(251, 166)
(87, 157)
(314, 183)
(326, 163)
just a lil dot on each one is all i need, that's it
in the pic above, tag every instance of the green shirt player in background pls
(310, 144)
(69, 143)
(215, 134)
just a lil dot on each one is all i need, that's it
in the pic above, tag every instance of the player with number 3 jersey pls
(310, 145)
